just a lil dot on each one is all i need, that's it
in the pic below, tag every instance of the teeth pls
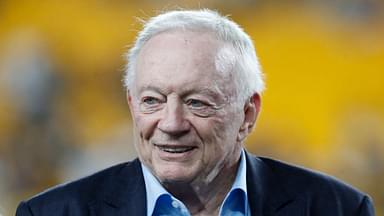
(175, 149)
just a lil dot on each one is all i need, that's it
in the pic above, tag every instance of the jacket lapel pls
(124, 194)
(266, 192)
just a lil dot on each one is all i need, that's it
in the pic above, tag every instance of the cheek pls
(145, 124)
(220, 136)
(224, 128)
(217, 129)
(143, 130)
(214, 135)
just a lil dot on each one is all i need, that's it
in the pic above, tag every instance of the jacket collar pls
(124, 195)
(266, 194)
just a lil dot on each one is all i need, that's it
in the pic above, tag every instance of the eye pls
(196, 103)
(150, 101)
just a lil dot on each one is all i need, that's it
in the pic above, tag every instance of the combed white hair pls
(244, 65)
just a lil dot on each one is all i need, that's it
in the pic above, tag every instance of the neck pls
(205, 197)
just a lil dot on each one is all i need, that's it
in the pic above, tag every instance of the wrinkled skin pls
(188, 128)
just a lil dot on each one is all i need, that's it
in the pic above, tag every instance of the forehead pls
(178, 48)
(179, 59)
(178, 38)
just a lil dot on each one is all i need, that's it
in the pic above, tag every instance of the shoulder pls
(316, 189)
(75, 196)
(304, 179)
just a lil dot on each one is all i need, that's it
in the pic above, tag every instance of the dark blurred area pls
(63, 112)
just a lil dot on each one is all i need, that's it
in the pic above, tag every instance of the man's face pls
(186, 123)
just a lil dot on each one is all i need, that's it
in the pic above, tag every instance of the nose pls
(173, 122)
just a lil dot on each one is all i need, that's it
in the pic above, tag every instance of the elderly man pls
(193, 87)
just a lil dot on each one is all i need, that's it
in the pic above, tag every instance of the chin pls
(175, 176)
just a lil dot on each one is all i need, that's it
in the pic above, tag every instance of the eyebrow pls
(207, 91)
(150, 88)
(184, 92)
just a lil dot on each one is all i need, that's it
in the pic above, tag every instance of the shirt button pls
(175, 204)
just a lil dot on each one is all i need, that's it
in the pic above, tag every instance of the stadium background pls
(63, 113)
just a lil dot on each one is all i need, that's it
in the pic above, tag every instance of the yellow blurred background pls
(63, 113)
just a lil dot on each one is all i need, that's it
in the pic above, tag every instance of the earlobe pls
(129, 98)
(251, 111)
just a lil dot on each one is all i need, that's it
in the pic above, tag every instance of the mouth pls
(175, 149)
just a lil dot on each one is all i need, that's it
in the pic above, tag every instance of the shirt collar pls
(241, 176)
(236, 200)
(154, 189)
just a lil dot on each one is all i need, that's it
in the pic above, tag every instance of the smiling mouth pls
(175, 149)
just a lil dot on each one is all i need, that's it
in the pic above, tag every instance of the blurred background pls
(63, 113)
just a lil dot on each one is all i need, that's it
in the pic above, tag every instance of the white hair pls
(240, 56)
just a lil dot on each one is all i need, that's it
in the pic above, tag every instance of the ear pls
(251, 111)
(129, 99)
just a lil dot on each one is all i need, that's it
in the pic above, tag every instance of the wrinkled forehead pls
(184, 47)
(199, 42)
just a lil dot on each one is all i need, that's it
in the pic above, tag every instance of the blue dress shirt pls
(161, 202)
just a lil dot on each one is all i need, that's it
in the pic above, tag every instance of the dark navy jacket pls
(274, 188)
